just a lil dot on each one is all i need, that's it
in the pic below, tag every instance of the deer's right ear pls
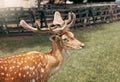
(54, 38)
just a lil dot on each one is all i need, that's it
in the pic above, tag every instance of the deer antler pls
(64, 23)
(57, 27)
(36, 30)
(52, 29)
(71, 19)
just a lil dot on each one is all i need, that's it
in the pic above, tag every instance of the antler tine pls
(69, 17)
(71, 22)
(67, 23)
(36, 30)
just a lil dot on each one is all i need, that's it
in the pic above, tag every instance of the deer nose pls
(82, 45)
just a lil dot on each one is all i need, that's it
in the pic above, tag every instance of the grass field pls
(99, 61)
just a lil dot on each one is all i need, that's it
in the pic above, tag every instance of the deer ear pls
(57, 18)
(54, 38)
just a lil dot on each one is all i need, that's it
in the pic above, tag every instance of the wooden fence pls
(86, 15)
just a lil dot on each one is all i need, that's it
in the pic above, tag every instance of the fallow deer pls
(37, 66)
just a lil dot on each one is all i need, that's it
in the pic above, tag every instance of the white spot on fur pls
(29, 58)
(14, 62)
(12, 78)
(27, 72)
(42, 70)
(24, 75)
(1, 67)
(32, 68)
(18, 66)
(33, 73)
(13, 67)
(5, 68)
(18, 63)
(10, 68)
(30, 75)
(14, 72)
(19, 74)
(2, 73)
(26, 67)
(7, 74)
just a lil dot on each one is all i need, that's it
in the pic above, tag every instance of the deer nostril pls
(82, 45)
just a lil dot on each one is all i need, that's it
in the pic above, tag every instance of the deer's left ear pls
(58, 18)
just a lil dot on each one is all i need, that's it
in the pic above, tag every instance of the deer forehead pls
(68, 35)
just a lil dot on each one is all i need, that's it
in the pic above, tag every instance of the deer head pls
(60, 29)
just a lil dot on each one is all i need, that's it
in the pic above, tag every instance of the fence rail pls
(88, 14)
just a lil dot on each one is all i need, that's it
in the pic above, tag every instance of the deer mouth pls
(75, 47)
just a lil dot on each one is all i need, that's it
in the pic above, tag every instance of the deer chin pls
(73, 48)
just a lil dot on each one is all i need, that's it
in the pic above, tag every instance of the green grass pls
(99, 61)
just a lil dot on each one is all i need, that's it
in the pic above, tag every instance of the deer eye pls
(65, 40)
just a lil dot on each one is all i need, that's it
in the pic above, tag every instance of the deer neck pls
(56, 51)
(60, 55)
